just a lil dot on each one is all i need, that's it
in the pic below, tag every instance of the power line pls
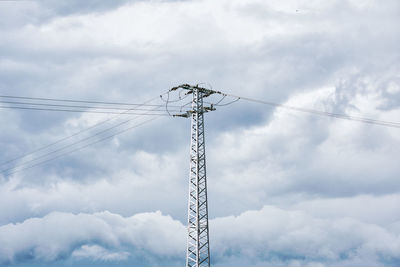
(321, 113)
(81, 111)
(70, 145)
(15, 170)
(226, 104)
(209, 92)
(79, 132)
(151, 112)
(75, 101)
(75, 106)
(75, 143)
(136, 107)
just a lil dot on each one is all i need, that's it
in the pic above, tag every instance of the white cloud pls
(328, 187)
(99, 253)
(267, 237)
(60, 234)
(273, 234)
(142, 181)
(295, 152)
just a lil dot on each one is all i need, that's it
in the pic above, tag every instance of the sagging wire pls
(227, 104)
(166, 104)
(222, 99)
(81, 131)
(168, 101)
(188, 103)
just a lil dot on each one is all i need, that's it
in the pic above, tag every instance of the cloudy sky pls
(285, 188)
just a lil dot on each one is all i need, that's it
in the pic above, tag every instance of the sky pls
(285, 188)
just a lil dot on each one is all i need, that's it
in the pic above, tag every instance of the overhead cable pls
(17, 169)
(69, 145)
(77, 106)
(74, 101)
(79, 132)
(83, 111)
(322, 113)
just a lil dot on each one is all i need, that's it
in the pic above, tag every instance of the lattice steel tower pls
(198, 248)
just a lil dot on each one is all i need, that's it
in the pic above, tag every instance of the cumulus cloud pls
(325, 191)
(268, 237)
(307, 155)
(99, 253)
(144, 182)
(58, 235)
(277, 237)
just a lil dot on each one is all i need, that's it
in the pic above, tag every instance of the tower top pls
(190, 88)
(200, 92)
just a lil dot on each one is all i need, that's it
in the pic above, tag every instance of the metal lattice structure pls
(198, 247)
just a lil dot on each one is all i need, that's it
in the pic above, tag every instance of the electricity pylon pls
(198, 247)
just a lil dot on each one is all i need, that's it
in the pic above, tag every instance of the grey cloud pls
(91, 6)
(73, 7)
(60, 235)
(267, 237)
(144, 182)
(299, 153)
(380, 210)
(275, 237)
(15, 13)
(257, 155)
(291, 60)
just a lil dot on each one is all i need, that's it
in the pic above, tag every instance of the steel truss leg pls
(198, 250)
